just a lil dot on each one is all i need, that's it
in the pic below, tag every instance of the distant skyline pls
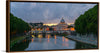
(48, 13)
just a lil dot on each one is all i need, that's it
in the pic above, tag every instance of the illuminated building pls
(62, 25)
(36, 25)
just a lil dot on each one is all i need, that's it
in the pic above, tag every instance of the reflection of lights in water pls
(66, 40)
(48, 36)
(55, 41)
(33, 36)
(32, 39)
(63, 38)
(40, 36)
(55, 36)
(48, 40)
(24, 40)
(65, 43)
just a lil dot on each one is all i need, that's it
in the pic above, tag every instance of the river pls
(49, 42)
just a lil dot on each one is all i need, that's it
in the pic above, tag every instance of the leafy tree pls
(51, 29)
(17, 25)
(88, 22)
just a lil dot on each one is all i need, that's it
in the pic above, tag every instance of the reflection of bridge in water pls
(62, 31)
(36, 33)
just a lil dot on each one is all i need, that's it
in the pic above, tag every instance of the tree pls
(88, 22)
(17, 25)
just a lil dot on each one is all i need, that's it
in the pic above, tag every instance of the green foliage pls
(17, 25)
(69, 26)
(88, 22)
(51, 29)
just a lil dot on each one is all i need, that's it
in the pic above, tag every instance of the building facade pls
(62, 26)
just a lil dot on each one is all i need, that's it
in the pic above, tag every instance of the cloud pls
(32, 5)
(48, 12)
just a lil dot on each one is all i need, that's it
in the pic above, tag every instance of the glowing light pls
(48, 36)
(47, 29)
(55, 39)
(70, 23)
(72, 29)
(25, 31)
(38, 29)
(33, 36)
(55, 36)
(66, 40)
(32, 40)
(63, 38)
(50, 24)
(39, 36)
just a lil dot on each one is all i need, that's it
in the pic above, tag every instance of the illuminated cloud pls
(49, 12)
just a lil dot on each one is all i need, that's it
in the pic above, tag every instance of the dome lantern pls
(62, 21)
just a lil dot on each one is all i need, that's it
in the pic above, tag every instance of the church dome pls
(62, 21)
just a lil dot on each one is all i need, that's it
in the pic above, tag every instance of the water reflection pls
(66, 39)
(55, 39)
(20, 46)
(40, 36)
(47, 42)
(63, 38)
(32, 39)
(55, 36)
(50, 42)
(39, 39)
(48, 36)
(24, 40)
(33, 36)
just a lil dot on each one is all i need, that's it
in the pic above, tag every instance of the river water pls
(49, 43)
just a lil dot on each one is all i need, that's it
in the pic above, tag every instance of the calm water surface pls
(49, 43)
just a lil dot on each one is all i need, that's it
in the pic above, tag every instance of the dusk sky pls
(48, 13)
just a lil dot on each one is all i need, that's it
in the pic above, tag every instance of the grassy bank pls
(15, 40)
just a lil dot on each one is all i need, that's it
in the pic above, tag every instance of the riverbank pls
(87, 40)
(15, 40)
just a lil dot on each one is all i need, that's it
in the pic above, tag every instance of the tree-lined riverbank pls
(18, 39)
(17, 26)
(18, 30)
(87, 23)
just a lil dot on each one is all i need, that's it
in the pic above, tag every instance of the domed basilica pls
(62, 25)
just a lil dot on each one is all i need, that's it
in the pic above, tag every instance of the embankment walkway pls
(87, 40)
